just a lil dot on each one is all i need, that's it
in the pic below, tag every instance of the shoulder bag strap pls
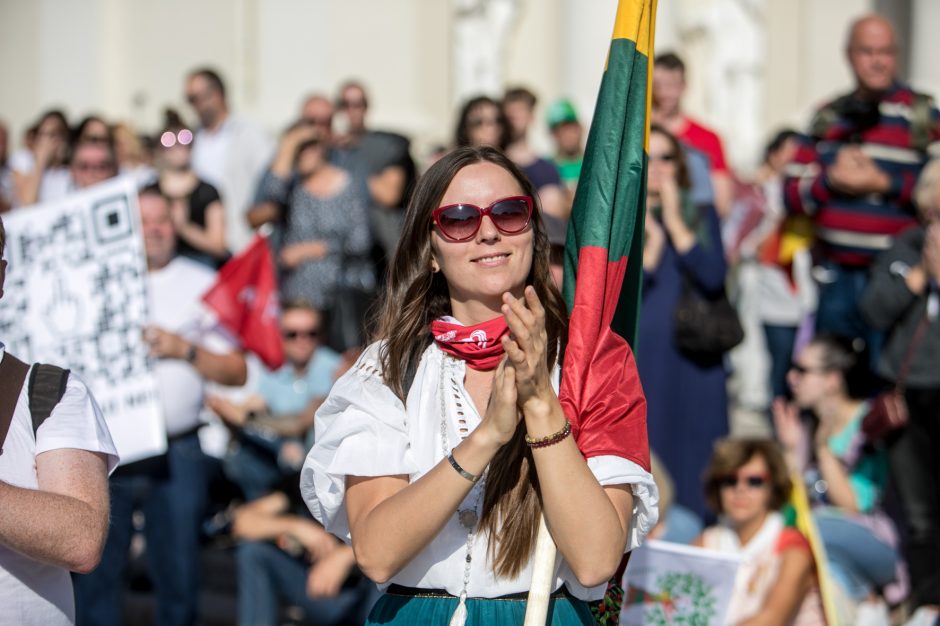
(12, 375)
(909, 354)
(46, 387)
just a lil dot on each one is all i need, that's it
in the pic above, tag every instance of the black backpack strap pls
(12, 376)
(46, 387)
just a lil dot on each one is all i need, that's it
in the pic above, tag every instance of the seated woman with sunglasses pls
(845, 475)
(197, 211)
(437, 452)
(747, 484)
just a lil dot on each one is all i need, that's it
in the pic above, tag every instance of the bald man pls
(855, 170)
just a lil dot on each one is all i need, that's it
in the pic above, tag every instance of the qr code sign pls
(76, 296)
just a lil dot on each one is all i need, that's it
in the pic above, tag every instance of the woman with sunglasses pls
(197, 211)
(845, 475)
(685, 393)
(438, 451)
(746, 485)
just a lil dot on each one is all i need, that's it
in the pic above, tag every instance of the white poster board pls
(76, 296)
(669, 583)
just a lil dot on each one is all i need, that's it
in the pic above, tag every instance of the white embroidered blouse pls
(362, 429)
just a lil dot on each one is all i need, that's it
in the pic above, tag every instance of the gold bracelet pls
(550, 440)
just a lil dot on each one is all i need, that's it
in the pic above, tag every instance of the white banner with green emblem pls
(668, 583)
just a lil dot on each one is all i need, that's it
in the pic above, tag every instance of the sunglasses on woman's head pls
(169, 139)
(752, 481)
(460, 222)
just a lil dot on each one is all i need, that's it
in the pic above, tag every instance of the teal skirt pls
(437, 611)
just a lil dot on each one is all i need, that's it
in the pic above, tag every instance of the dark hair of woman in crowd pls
(475, 117)
(778, 141)
(849, 358)
(54, 126)
(415, 296)
(52, 114)
(682, 168)
(92, 129)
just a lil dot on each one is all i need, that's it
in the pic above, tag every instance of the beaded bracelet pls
(549, 440)
(453, 463)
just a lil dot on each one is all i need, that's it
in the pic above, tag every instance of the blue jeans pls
(253, 469)
(859, 561)
(269, 578)
(838, 311)
(173, 503)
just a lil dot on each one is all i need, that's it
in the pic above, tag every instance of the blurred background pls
(754, 65)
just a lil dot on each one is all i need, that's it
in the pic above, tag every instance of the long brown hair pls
(414, 296)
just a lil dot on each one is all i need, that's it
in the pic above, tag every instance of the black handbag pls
(888, 410)
(706, 326)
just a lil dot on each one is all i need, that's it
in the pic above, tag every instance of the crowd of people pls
(823, 268)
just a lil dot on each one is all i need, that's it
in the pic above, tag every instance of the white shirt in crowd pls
(32, 592)
(232, 160)
(176, 305)
(56, 182)
(362, 429)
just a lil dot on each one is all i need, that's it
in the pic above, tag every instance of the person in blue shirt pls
(272, 427)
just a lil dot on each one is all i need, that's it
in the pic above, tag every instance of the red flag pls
(245, 300)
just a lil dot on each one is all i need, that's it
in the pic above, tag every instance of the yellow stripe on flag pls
(648, 51)
(635, 21)
(806, 525)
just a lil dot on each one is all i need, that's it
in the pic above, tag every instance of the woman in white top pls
(439, 450)
(747, 484)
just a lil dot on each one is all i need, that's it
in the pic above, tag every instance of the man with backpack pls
(55, 457)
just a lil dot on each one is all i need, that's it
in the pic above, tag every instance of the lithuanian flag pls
(604, 251)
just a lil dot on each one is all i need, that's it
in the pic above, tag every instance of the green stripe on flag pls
(610, 202)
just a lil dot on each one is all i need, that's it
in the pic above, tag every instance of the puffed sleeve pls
(606, 454)
(360, 430)
(615, 470)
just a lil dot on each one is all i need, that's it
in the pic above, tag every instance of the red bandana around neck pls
(479, 345)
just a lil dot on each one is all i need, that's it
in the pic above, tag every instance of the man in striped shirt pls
(855, 170)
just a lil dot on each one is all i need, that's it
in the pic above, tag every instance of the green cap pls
(561, 111)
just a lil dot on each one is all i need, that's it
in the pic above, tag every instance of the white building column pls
(925, 47)
(585, 40)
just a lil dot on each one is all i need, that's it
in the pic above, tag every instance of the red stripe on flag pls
(600, 387)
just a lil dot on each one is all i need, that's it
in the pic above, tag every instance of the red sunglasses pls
(460, 222)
